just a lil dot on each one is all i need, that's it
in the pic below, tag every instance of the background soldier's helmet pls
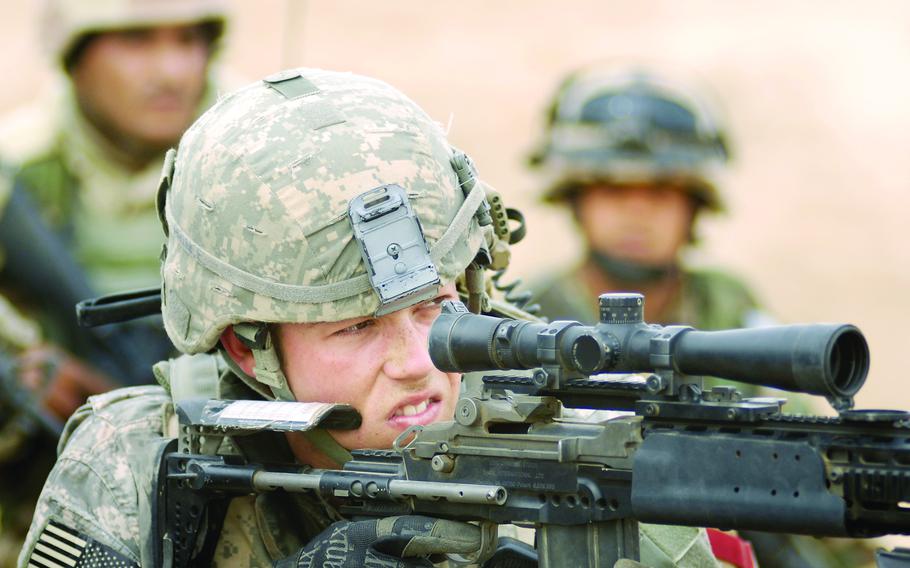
(66, 23)
(256, 203)
(630, 125)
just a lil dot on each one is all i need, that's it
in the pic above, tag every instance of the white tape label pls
(275, 411)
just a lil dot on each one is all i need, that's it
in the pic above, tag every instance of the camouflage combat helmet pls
(630, 125)
(66, 22)
(257, 205)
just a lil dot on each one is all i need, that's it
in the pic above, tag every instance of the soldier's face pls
(141, 87)
(648, 224)
(380, 365)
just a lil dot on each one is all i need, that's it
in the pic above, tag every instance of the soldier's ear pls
(237, 350)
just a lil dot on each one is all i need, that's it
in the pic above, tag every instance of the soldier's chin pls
(162, 130)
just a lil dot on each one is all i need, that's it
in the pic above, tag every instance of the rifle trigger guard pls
(399, 444)
(489, 539)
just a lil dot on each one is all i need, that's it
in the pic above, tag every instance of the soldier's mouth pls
(412, 409)
(420, 411)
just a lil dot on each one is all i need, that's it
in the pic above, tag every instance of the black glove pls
(512, 553)
(392, 542)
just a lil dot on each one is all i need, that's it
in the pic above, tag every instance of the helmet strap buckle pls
(266, 363)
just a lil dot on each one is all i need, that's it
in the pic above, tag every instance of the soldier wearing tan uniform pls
(88, 156)
(267, 292)
(136, 75)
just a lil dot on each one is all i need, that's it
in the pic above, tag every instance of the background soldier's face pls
(381, 366)
(642, 223)
(141, 87)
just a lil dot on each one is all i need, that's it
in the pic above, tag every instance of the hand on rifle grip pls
(392, 542)
(59, 380)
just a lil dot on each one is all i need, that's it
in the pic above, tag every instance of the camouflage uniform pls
(101, 485)
(255, 205)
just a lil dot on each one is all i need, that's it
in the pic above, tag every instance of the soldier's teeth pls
(411, 410)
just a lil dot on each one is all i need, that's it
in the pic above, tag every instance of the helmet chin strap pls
(267, 372)
(266, 364)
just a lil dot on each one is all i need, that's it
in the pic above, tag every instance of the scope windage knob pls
(624, 307)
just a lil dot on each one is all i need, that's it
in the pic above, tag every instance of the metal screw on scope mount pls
(621, 308)
(654, 384)
(466, 412)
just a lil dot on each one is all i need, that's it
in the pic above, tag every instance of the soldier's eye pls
(356, 327)
(436, 303)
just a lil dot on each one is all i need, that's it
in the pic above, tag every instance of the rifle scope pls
(822, 359)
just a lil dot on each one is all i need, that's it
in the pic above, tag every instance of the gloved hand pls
(392, 542)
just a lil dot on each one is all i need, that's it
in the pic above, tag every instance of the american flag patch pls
(62, 547)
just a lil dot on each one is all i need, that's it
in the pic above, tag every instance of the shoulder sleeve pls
(91, 501)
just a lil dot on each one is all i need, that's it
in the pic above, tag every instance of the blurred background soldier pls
(137, 74)
(637, 156)
(16, 430)
(85, 163)
(88, 156)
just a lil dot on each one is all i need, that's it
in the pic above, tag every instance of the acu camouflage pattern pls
(96, 484)
(101, 485)
(256, 211)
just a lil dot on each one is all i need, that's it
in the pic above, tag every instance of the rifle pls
(513, 454)
(39, 267)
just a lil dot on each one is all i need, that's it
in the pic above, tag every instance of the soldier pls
(636, 156)
(137, 74)
(266, 292)
(88, 155)
(88, 158)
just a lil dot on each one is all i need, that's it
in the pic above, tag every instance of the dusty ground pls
(816, 93)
